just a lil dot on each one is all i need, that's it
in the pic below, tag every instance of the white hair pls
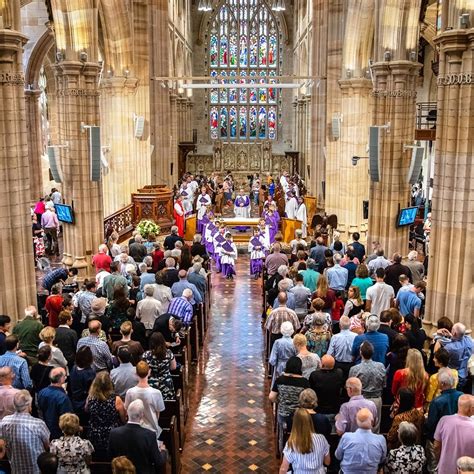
(287, 328)
(197, 267)
(337, 258)
(283, 285)
(135, 411)
(130, 268)
(298, 233)
(197, 238)
(31, 311)
(445, 377)
(187, 293)
(412, 255)
(149, 290)
(22, 401)
(176, 253)
(174, 229)
(459, 330)
(282, 270)
(148, 260)
(170, 263)
(344, 322)
(373, 323)
(103, 248)
(143, 267)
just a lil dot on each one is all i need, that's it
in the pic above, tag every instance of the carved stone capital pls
(453, 41)
(356, 85)
(119, 85)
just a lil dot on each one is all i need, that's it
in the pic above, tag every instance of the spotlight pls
(387, 56)
(83, 56)
(348, 73)
(413, 56)
(126, 72)
(465, 20)
(59, 56)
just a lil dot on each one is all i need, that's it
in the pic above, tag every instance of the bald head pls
(458, 331)
(282, 298)
(466, 405)
(327, 362)
(364, 419)
(57, 376)
(94, 327)
(353, 386)
(344, 323)
(6, 375)
(182, 274)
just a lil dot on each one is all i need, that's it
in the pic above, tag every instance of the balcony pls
(425, 128)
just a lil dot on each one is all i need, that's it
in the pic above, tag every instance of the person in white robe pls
(284, 183)
(202, 203)
(291, 206)
(242, 205)
(228, 257)
(301, 215)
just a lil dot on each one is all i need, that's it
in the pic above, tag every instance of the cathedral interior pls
(370, 103)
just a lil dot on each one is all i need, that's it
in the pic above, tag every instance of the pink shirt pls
(49, 219)
(456, 434)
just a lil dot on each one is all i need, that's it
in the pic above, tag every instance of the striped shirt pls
(19, 367)
(26, 438)
(310, 463)
(102, 357)
(278, 316)
(54, 277)
(182, 309)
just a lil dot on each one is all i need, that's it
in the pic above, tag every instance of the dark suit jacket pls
(139, 445)
(170, 276)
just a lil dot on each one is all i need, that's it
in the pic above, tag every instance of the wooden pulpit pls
(154, 203)
(190, 227)
(288, 227)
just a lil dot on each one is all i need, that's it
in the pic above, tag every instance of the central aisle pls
(230, 421)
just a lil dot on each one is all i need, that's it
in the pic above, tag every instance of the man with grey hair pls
(284, 286)
(137, 250)
(415, 264)
(170, 272)
(198, 279)
(460, 349)
(170, 240)
(147, 277)
(178, 288)
(340, 346)
(25, 437)
(346, 418)
(298, 240)
(136, 443)
(148, 309)
(7, 392)
(362, 450)
(54, 402)
(378, 340)
(465, 465)
(27, 330)
(182, 308)
(275, 259)
(337, 275)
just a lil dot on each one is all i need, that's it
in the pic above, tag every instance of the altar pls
(232, 223)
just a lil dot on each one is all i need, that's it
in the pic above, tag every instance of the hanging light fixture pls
(278, 5)
(204, 6)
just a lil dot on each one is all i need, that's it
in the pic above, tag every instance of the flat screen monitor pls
(65, 213)
(407, 216)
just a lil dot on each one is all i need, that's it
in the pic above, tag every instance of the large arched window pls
(244, 46)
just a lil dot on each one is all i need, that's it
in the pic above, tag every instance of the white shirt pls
(291, 207)
(380, 295)
(178, 209)
(148, 310)
(153, 402)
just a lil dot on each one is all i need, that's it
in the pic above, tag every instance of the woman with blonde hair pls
(73, 452)
(310, 362)
(354, 304)
(413, 376)
(106, 411)
(325, 293)
(319, 335)
(47, 336)
(305, 450)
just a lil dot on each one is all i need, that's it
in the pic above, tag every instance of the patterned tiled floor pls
(230, 424)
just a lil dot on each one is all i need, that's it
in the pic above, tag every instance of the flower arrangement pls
(146, 228)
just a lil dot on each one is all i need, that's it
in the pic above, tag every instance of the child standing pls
(228, 256)
(337, 310)
(257, 254)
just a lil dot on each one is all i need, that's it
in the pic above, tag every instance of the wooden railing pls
(122, 222)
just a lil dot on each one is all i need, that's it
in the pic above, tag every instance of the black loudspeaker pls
(308, 169)
(54, 167)
(365, 209)
(94, 152)
(374, 158)
(195, 135)
(415, 165)
(171, 169)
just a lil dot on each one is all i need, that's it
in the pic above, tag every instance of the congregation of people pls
(86, 378)
(357, 385)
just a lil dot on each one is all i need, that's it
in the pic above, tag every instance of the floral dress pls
(71, 451)
(103, 417)
(318, 341)
(406, 460)
(160, 376)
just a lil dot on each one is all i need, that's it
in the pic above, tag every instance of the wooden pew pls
(180, 384)
(201, 324)
(194, 340)
(170, 437)
(174, 408)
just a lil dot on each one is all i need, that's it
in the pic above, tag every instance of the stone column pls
(121, 100)
(394, 98)
(189, 120)
(17, 273)
(319, 66)
(78, 103)
(346, 200)
(35, 147)
(163, 155)
(451, 254)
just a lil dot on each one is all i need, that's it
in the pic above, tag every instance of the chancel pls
(236, 236)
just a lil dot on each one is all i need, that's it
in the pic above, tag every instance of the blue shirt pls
(359, 250)
(146, 279)
(182, 309)
(53, 402)
(19, 367)
(361, 452)
(408, 301)
(290, 303)
(340, 346)
(445, 404)
(377, 339)
(54, 277)
(459, 353)
(337, 277)
(317, 254)
(181, 285)
(310, 278)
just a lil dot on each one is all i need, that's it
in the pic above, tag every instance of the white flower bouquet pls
(146, 227)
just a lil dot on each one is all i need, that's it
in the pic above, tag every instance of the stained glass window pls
(243, 49)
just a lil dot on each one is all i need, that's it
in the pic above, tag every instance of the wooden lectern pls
(154, 203)
(190, 227)
(288, 227)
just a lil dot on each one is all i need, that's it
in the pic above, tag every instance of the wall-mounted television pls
(65, 213)
(407, 216)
